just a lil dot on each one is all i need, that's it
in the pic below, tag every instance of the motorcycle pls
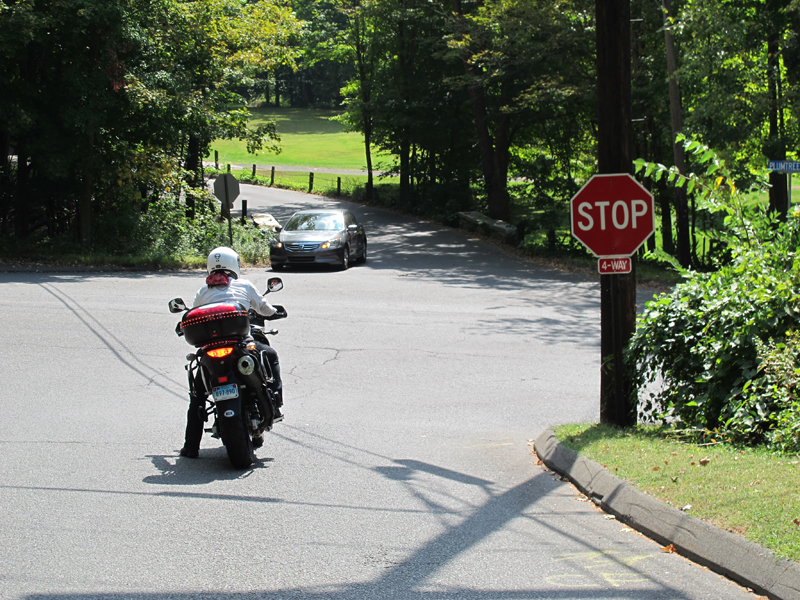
(230, 367)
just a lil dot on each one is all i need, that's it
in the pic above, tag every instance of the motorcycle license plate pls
(225, 392)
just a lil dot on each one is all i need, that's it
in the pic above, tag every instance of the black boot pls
(277, 402)
(195, 417)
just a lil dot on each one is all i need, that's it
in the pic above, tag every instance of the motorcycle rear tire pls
(237, 442)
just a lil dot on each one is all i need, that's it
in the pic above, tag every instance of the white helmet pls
(224, 259)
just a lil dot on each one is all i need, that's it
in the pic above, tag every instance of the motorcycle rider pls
(223, 285)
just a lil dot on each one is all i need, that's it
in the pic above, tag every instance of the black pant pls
(196, 416)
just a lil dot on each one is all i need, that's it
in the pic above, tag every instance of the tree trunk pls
(5, 179)
(405, 166)
(676, 118)
(667, 242)
(368, 155)
(405, 65)
(494, 151)
(365, 96)
(21, 200)
(494, 155)
(85, 201)
(776, 147)
(193, 165)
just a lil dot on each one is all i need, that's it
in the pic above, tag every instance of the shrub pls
(768, 409)
(717, 344)
(164, 232)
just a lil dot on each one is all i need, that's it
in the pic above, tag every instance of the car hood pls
(295, 237)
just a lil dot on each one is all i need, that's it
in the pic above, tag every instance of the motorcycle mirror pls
(274, 284)
(177, 305)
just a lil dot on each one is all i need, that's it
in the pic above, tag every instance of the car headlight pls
(276, 243)
(335, 243)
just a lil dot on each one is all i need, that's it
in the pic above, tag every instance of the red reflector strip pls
(220, 352)
(222, 379)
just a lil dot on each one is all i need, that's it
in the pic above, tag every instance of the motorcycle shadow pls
(213, 465)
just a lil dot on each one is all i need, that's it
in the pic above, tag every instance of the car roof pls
(320, 211)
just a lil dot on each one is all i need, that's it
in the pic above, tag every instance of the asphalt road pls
(414, 385)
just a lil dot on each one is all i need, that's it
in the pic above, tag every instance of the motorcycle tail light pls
(220, 352)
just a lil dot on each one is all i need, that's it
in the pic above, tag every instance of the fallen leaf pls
(610, 517)
(692, 464)
(681, 472)
(705, 461)
(796, 521)
(670, 549)
(655, 468)
(686, 508)
(674, 480)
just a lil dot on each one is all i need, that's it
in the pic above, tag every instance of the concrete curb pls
(734, 557)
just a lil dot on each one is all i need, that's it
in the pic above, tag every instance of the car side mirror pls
(278, 229)
(177, 305)
(352, 227)
(274, 284)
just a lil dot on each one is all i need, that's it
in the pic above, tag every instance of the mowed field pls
(309, 138)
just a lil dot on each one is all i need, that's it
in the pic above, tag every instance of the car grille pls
(301, 247)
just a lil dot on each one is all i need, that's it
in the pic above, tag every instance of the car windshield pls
(314, 222)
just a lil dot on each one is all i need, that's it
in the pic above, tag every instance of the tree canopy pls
(101, 99)
(486, 105)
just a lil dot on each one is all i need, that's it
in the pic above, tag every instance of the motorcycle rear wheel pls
(237, 441)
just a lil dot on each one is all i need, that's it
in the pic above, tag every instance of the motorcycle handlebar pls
(280, 314)
(260, 319)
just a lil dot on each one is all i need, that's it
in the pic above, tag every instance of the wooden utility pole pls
(615, 150)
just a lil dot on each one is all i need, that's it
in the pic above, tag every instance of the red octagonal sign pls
(612, 215)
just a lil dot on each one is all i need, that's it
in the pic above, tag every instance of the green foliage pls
(707, 344)
(153, 231)
(540, 206)
(165, 233)
(768, 409)
(98, 96)
(725, 74)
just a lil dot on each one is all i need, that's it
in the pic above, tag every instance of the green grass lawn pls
(751, 492)
(309, 137)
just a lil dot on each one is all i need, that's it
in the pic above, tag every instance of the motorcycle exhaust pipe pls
(246, 365)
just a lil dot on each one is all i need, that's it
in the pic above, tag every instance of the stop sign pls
(612, 215)
(226, 189)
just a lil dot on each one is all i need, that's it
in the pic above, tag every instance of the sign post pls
(786, 166)
(226, 189)
(613, 215)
